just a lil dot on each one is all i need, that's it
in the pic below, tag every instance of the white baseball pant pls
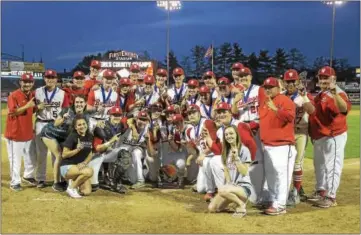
(257, 173)
(16, 150)
(329, 153)
(135, 171)
(279, 163)
(205, 181)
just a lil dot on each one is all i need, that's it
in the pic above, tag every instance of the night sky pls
(64, 32)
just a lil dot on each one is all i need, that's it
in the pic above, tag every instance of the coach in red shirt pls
(19, 131)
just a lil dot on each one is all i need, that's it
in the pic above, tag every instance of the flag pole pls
(212, 55)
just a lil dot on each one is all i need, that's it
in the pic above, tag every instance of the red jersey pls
(127, 101)
(327, 120)
(19, 127)
(277, 128)
(88, 84)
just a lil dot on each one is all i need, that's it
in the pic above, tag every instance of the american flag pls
(209, 52)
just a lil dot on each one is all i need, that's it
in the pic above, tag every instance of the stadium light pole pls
(169, 6)
(334, 4)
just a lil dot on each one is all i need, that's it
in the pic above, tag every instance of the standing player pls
(150, 97)
(100, 101)
(160, 86)
(137, 81)
(210, 81)
(50, 100)
(224, 91)
(328, 129)
(245, 106)
(236, 69)
(277, 116)
(126, 96)
(77, 87)
(206, 104)
(19, 132)
(296, 92)
(178, 91)
(91, 80)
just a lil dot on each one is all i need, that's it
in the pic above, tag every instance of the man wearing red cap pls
(225, 93)
(91, 80)
(328, 130)
(161, 77)
(137, 80)
(19, 132)
(206, 104)
(50, 101)
(203, 135)
(209, 79)
(236, 70)
(77, 87)
(304, 106)
(101, 100)
(150, 97)
(126, 96)
(107, 146)
(191, 96)
(178, 91)
(277, 117)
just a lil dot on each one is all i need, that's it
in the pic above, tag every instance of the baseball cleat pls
(73, 193)
(16, 188)
(275, 211)
(293, 198)
(30, 181)
(41, 184)
(326, 202)
(58, 187)
(315, 196)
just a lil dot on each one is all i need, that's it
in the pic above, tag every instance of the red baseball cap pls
(271, 82)
(149, 79)
(143, 115)
(326, 71)
(125, 81)
(193, 108)
(108, 74)
(208, 74)
(50, 73)
(162, 72)
(177, 118)
(223, 81)
(134, 68)
(178, 71)
(170, 109)
(290, 75)
(204, 89)
(27, 77)
(237, 66)
(223, 106)
(193, 82)
(95, 64)
(245, 71)
(115, 110)
(78, 74)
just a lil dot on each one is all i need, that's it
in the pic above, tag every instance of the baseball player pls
(245, 107)
(137, 81)
(126, 96)
(304, 106)
(206, 104)
(277, 115)
(225, 91)
(210, 81)
(77, 87)
(203, 136)
(328, 130)
(101, 100)
(19, 132)
(178, 91)
(91, 80)
(236, 67)
(161, 77)
(235, 161)
(136, 144)
(150, 97)
(50, 101)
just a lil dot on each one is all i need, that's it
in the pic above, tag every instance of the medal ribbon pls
(209, 111)
(245, 98)
(51, 96)
(105, 100)
(178, 95)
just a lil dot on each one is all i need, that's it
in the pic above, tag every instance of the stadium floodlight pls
(334, 4)
(169, 6)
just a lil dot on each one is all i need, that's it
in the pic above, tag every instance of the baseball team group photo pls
(211, 138)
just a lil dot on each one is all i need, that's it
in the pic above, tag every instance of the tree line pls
(262, 63)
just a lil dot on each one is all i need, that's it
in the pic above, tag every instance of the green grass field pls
(353, 139)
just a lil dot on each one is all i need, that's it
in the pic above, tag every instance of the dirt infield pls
(169, 211)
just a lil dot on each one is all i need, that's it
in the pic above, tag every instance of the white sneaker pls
(73, 193)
